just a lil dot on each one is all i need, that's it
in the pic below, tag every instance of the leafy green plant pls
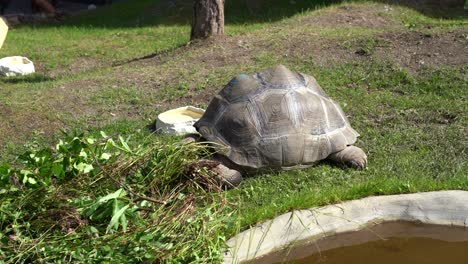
(72, 156)
(114, 199)
(410, 25)
(113, 208)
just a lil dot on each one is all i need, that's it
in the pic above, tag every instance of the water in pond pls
(388, 243)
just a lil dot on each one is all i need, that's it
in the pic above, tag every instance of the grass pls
(412, 121)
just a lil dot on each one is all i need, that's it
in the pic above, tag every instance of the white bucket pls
(179, 121)
(16, 65)
(3, 31)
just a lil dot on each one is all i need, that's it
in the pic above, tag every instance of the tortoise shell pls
(276, 119)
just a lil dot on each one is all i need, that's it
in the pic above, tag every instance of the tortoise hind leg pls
(350, 156)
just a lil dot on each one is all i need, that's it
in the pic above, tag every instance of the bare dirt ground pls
(416, 49)
(373, 16)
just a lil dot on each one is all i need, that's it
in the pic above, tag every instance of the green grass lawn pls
(399, 73)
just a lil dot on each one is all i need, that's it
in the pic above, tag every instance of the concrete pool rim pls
(449, 208)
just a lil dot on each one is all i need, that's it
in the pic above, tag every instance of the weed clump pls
(93, 200)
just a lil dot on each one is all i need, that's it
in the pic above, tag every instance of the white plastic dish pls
(179, 121)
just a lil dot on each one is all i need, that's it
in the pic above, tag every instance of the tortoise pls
(276, 119)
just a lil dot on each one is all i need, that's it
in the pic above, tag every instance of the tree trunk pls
(208, 18)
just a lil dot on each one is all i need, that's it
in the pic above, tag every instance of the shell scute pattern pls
(241, 88)
(236, 124)
(277, 119)
(280, 77)
(273, 113)
(313, 85)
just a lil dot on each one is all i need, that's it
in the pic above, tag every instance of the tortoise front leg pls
(350, 156)
(191, 138)
(222, 174)
(228, 177)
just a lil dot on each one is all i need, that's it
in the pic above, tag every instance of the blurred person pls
(46, 7)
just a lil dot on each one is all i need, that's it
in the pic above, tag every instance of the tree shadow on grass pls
(179, 12)
(157, 55)
(442, 9)
(31, 78)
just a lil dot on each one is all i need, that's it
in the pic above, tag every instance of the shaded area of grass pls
(32, 78)
(236, 12)
(128, 30)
